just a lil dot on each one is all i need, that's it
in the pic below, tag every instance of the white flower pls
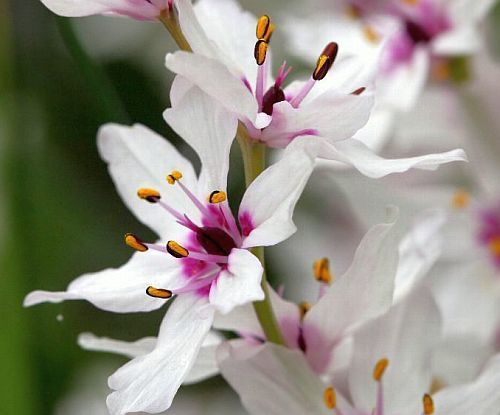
(202, 256)
(389, 373)
(325, 113)
(136, 9)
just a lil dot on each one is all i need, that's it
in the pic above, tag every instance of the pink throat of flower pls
(489, 232)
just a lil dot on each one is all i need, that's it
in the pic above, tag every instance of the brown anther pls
(353, 11)
(217, 196)
(428, 404)
(325, 61)
(158, 292)
(176, 250)
(260, 51)
(380, 368)
(135, 243)
(151, 195)
(304, 307)
(174, 176)
(358, 91)
(321, 270)
(330, 398)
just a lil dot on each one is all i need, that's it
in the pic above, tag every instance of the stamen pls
(358, 91)
(151, 195)
(260, 51)
(304, 307)
(325, 61)
(380, 368)
(217, 196)
(428, 404)
(158, 292)
(262, 26)
(494, 246)
(135, 243)
(321, 269)
(460, 199)
(177, 250)
(174, 176)
(330, 398)
(370, 34)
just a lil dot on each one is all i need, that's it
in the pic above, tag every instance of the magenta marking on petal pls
(488, 232)
(246, 223)
(247, 84)
(290, 328)
(318, 348)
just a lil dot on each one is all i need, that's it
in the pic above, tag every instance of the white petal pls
(268, 203)
(480, 397)
(332, 115)
(205, 365)
(216, 80)
(209, 129)
(89, 341)
(358, 155)
(120, 290)
(149, 383)
(419, 250)
(406, 336)
(137, 157)
(462, 41)
(77, 8)
(276, 381)
(363, 292)
(239, 283)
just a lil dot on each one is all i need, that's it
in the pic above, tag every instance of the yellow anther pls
(158, 292)
(428, 404)
(150, 195)
(269, 34)
(353, 11)
(217, 196)
(174, 176)
(176, 250)
(380, 368)
(263, 25)
(441, 71)
(411, 2)
(494, 246)
(321, 269)
(330, 398)
(135, 243)
(304, 307)
(325, 61)
(370, 34)
(260, 51)
(460, 199)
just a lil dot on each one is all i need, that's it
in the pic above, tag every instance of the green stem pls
(95, 77)
(254, 160)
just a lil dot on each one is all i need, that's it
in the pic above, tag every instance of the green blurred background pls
(59, 214)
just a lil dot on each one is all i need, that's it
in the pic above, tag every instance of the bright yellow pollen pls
(260, 51)
(330, 398)
(217, 196)
(270, 31)
(135, 243)
(494, 246)
(370, 34)
(380, 368)
(428, 404)
(174, 176)
(321, 270)
(262, 26)
(177, 250)
(148, 194)
(304, 307)
(322, 61)
(460, 199)
(158, 292)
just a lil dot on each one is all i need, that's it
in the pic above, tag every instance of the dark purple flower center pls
(417, 33)
(215, 241)
(272, 96)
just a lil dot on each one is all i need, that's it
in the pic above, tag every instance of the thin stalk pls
(254, 160)
(97, 81)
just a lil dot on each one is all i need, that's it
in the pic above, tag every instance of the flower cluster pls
(378, 336)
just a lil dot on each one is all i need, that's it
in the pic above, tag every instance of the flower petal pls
(137, 157)
(406, 336)
(267, 206)
(239, 283)
(77, 8)
(205, 365)
(276, 381)
(209, 129)
(480, 397)
(149, 383)
(216, 80)
(120, 290)
(363, 292)
(358, 155)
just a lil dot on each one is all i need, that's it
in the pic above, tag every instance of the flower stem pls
(254, 160)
